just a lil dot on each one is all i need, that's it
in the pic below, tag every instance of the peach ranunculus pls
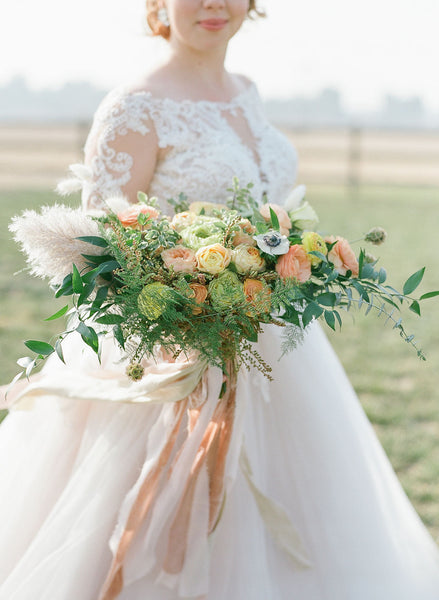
(258, 294)
(342, 256)
(282, 215)
(213, 259)
(295, 264)
(199, 294)
(180, 258)
(128, 217)
(245, 234)
(240, 237)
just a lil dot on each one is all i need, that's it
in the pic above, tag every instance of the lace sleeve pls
(121, 149)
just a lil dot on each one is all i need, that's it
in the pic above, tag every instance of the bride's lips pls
(213, 24)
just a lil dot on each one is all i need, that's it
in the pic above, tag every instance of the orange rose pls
(295, 264)
(180, 258)
(199, 294)
(282, 215)
(258, 294)
(342, 256)
(245, 234)
(247, 226)
(128, 217)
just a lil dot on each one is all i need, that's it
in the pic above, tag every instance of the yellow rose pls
(213, 259)
(247, 258)
(313, 242)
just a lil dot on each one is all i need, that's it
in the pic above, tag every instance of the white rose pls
(295, 198)
(247, 258)
(304, 217)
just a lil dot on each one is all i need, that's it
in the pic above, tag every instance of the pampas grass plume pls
(48, 240)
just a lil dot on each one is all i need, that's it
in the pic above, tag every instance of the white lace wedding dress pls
(312, 508)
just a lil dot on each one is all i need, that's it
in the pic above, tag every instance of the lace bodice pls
(203, 145)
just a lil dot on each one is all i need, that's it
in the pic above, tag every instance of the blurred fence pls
(38, 155)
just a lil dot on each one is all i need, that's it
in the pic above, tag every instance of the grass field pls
(399, 393)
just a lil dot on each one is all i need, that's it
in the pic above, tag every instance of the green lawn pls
(399, 393)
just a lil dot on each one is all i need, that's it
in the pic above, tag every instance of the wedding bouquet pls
(206, 280)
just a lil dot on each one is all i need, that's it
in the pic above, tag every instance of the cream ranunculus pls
(247, 258)
(213, 259)
(182, 220)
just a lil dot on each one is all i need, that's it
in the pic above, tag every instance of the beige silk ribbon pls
(211, 453)
(163, 382)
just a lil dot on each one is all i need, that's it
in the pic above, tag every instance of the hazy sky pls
(366, 48)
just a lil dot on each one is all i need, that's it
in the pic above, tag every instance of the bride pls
(291, 496)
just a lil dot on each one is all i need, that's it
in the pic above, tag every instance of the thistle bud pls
(135, 371)
(377, 235)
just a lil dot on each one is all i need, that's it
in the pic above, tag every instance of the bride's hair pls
(159, 28)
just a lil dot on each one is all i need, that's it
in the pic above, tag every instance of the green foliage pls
(129, 292)
(180, 205)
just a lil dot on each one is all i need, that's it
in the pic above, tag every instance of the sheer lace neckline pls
(221, 104)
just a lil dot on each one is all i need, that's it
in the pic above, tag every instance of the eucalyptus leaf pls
(361, 263)
(108, 267)
(414, 307)
(313, 310)
(97, 259)
(327, 299)
(39, 347)
(62, 311)
(330, 319)
(58, 350)
(89, 336)
(118, 334)
(429, 295)
(24, 361)
(382, 275)
(337, 316)
(76, 280)
(110, 320)
(413, 281)
(332, 276)
(65, 289)
(274, 220)
(30, 368)
(93, 240)
(13, 382)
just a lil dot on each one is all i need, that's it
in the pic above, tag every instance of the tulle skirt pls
(67, 467)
